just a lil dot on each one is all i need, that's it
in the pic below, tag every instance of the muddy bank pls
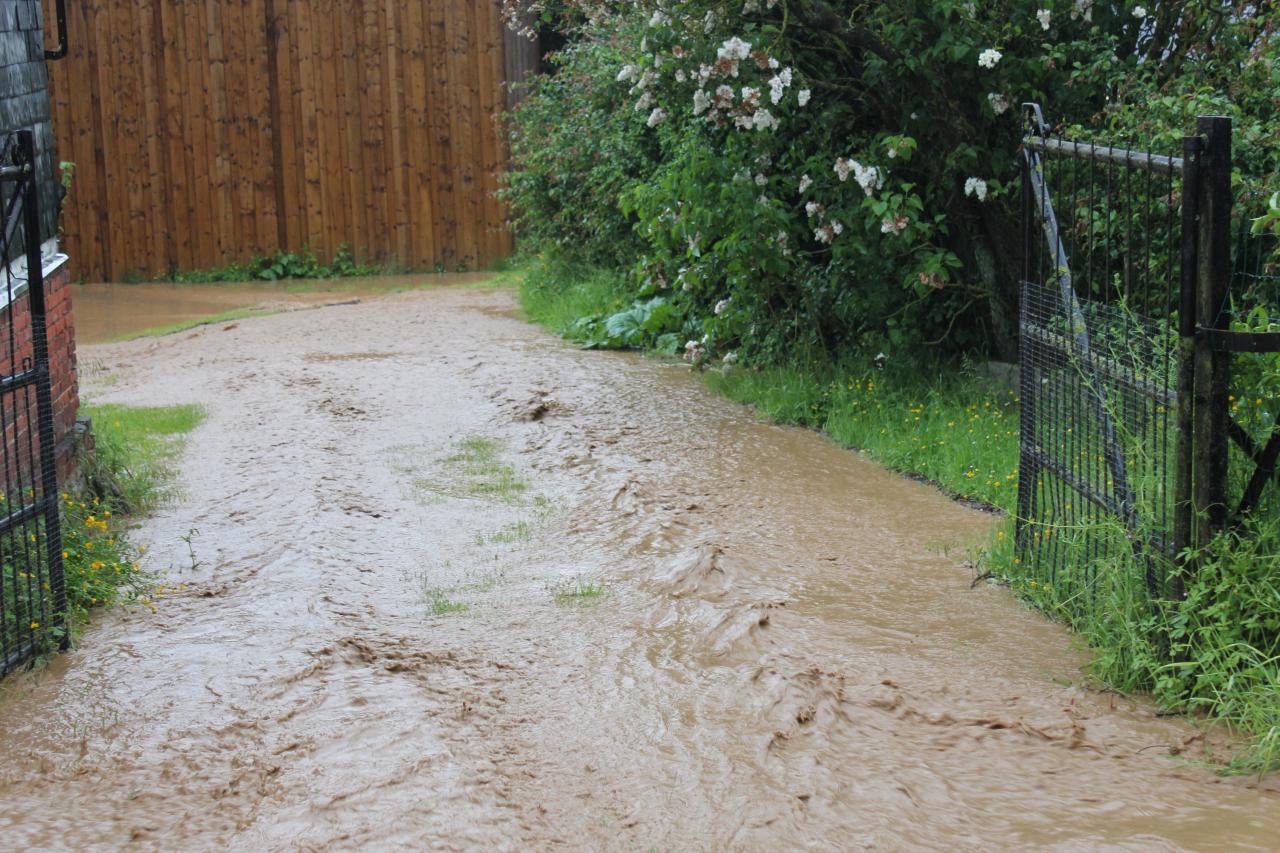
(454, 584)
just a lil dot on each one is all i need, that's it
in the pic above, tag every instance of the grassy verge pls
(1215, 656)
(136, 449)
(131, 473)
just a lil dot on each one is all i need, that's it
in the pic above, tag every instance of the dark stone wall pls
(24, 98)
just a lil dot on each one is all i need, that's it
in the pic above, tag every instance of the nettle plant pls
(843, 174)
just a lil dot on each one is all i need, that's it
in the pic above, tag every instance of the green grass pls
(136, 449)
(131, 472)
(557, 299)
(577, 593)
(440, 604)
(514, 533)
(475, 470)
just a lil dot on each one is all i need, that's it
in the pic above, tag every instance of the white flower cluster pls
(1043, 17)
(999, 103)
(976, 187)
(744, 108)
(894, 225)
(870, 178)
(989, 57)
(1140, 12)
(829, 232)
(734, 50)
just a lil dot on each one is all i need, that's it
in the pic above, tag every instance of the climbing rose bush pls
(801, 175)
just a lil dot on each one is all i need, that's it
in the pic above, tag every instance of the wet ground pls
(107, 312)
(453, 584)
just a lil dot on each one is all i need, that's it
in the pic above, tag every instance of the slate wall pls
(24, 98)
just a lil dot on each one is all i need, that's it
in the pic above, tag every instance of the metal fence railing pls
(32, 590)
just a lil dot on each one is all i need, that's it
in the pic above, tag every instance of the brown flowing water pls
(107, 312)
(453, 584)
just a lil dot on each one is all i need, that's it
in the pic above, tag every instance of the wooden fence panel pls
(211, 131)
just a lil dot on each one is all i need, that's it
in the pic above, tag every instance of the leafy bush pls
(837, 175)
(282, 265)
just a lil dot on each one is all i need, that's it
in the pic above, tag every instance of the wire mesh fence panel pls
(32, 594)
(1103, 233)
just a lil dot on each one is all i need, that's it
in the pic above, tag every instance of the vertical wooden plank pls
(440, 149)
(351, 130)
(239, 158)
(223, 229)
(462, 121)
(336, 205)
(127, 164)
(113, 199)
(173, 128)
(195, 105)
(372, 46)
(309, 143)
(414, 88)
(393, 83)
(262, 123)
(157, 207)
(287, 163)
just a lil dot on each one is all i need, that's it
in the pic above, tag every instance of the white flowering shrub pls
(800, 173)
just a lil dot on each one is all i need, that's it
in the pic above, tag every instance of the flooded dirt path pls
(453, 584)
(108, 312)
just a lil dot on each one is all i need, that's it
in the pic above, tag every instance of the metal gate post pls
(1212, 369)
(1183, 508)
(44, 385)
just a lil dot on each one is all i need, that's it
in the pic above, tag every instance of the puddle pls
(685, 630)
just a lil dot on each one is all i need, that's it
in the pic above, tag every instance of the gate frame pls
(1205, 342)
(25, 208)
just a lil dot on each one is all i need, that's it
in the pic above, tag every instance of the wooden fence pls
(210, 131)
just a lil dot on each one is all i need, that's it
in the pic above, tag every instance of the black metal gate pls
(1130, 295)
(32, 590)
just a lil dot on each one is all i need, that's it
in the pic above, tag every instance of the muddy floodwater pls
(453, 584)
(106, 312)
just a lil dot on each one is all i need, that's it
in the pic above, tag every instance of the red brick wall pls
(16, 354)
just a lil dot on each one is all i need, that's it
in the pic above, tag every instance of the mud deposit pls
(458, 586)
